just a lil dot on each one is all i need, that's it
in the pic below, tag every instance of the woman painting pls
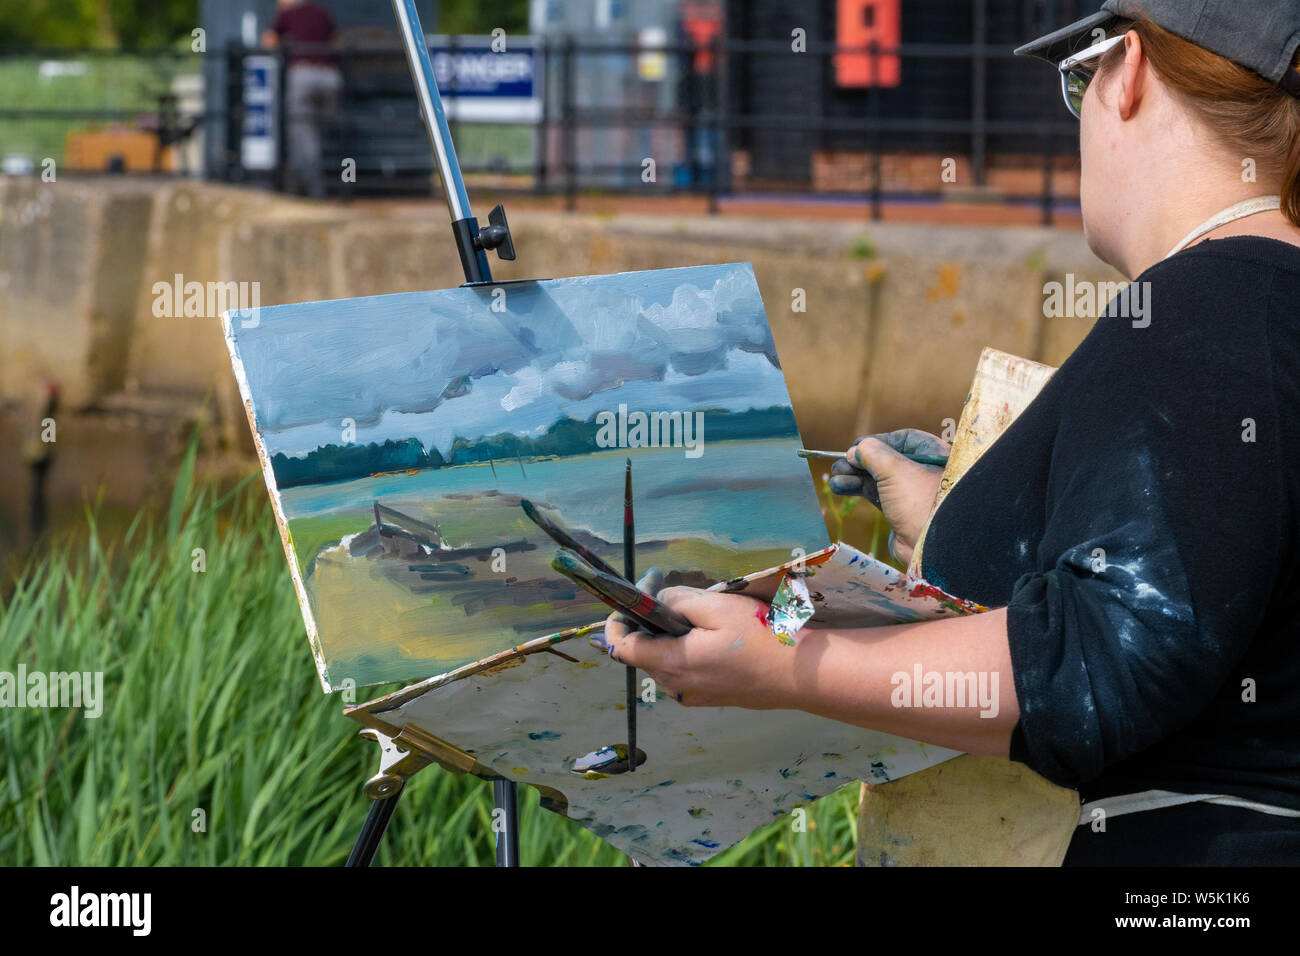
(1163, 681)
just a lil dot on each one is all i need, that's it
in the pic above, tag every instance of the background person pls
(314, 84)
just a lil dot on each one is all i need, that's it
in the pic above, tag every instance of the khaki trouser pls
(313, 98)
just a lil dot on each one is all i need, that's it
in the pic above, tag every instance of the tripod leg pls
(372, 831)
(505, 797)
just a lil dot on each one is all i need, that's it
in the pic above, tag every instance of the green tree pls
(49, 23)
(477, 17)
(103, 23)
(149, 23)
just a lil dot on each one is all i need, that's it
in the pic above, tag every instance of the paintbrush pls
(629, 572)
(564, 539)
(939, 460)
(646, 612)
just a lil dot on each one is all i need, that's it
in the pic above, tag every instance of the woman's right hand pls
(876, 467)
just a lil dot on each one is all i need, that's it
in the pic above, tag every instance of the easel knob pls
(496, 235)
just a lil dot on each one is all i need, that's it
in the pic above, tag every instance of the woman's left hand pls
(730, 658)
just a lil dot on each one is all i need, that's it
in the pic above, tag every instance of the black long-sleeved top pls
(1140, 523)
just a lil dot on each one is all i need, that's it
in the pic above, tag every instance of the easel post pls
(505, 796)
(472, 244)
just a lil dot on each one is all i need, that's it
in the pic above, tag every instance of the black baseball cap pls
(1261, 35)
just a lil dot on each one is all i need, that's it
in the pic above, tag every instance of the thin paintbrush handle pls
(625, 598)
(939, 460)
(629, 572)
(561, 536)
(629, 527)
(630, 616)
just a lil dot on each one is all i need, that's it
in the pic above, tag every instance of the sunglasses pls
(1077, 72)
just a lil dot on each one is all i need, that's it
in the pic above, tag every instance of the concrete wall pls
(895, 315)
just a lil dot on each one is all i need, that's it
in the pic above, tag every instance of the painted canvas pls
(400, 433)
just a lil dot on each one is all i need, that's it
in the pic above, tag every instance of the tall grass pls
(216, 746)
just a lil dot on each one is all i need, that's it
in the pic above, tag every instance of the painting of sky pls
(470, 362)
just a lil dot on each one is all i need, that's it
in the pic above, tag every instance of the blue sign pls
(479, 84)
(260, 95)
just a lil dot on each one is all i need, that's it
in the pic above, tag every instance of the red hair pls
(1247, 113)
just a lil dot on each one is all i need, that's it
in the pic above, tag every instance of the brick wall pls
(845, 171)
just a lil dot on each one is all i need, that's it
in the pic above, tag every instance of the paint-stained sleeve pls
(1164, 540)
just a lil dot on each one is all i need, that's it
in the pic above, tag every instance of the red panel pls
(861, 23)
(703, 23)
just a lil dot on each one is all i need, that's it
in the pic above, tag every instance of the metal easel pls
(472, 244)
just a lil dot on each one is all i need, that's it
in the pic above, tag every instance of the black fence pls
(613, 118)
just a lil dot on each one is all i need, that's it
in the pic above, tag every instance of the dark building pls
(929, 100)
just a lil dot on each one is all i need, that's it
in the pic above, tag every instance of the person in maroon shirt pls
(313, 83)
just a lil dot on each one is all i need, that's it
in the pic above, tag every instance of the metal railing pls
(707, 114)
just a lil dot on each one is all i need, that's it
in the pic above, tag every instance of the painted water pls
(716, 496)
